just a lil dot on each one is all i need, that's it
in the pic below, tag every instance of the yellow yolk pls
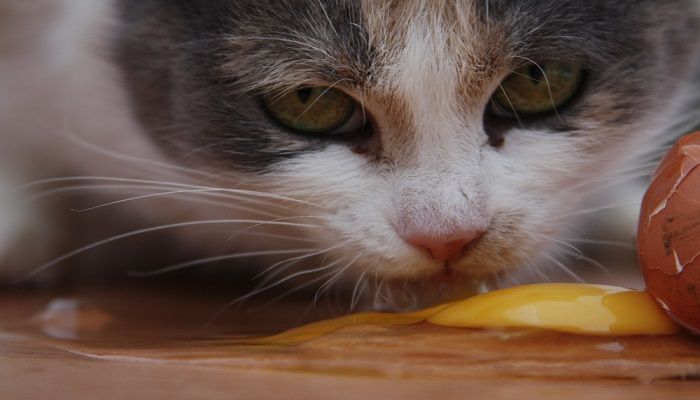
(573, 308)
(581, 309)
(316, 329)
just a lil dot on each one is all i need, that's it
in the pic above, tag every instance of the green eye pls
(314, 110)
(537, 89)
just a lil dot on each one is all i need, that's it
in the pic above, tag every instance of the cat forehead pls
(206, 65)
(360, 42)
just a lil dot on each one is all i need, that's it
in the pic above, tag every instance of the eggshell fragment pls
(668, 238)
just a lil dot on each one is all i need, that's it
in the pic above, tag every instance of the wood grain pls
(126, 355)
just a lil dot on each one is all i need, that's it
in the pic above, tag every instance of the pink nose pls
(445, 249)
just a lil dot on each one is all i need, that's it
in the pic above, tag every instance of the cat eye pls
(537, 89)
(316, 110)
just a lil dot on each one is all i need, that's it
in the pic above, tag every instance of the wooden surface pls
(154, 345)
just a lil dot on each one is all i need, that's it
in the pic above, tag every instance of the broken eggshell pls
(668, 238)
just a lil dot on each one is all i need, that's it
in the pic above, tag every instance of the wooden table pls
(113, 345)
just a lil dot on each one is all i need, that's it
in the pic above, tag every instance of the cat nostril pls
(442, 249)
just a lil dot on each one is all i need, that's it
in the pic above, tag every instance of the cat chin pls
(409, 295)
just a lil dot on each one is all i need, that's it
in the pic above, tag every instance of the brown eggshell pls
(668, 238)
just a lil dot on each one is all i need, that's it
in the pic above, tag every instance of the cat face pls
(430, 172)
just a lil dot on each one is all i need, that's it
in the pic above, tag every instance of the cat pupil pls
(304, 95)
(535, 74)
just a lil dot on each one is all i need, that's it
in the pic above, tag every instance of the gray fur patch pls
(197, 69)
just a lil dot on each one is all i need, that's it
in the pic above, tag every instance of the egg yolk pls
(316, 329)
(573, 308)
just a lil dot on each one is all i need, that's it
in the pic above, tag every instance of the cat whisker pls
(150, 230)
(355, 295)
(617, 177)
(287, 264)
(230, 191)
(646, 166)
(549, 87)
(270, 268)
(510, 71)
(173, 193)
(81, 178)
(512, 107)
(244, 230)
(313, 103)
(379, 291)
(286, 279)
(141, 161)
(640, 167)
(222, 204)
(284, 237)
(591, 261)
(564, 268)
(335, 277)
(90, 187)
(210, 146)
(601, 188)
(593, 210)
(201, 261)
(606, 182)
(603, 243)
(294, 289)
(375, 287)
(560, 242)
(532, 266)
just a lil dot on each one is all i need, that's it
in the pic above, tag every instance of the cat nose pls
(447, 248)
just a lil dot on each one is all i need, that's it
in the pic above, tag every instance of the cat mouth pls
(447, 271)
(447, 275)
(444, 284)
(450, 275)
(448, 284)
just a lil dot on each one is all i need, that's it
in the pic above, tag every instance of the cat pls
(369, 144)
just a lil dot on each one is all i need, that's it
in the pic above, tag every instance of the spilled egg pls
(573, 308)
